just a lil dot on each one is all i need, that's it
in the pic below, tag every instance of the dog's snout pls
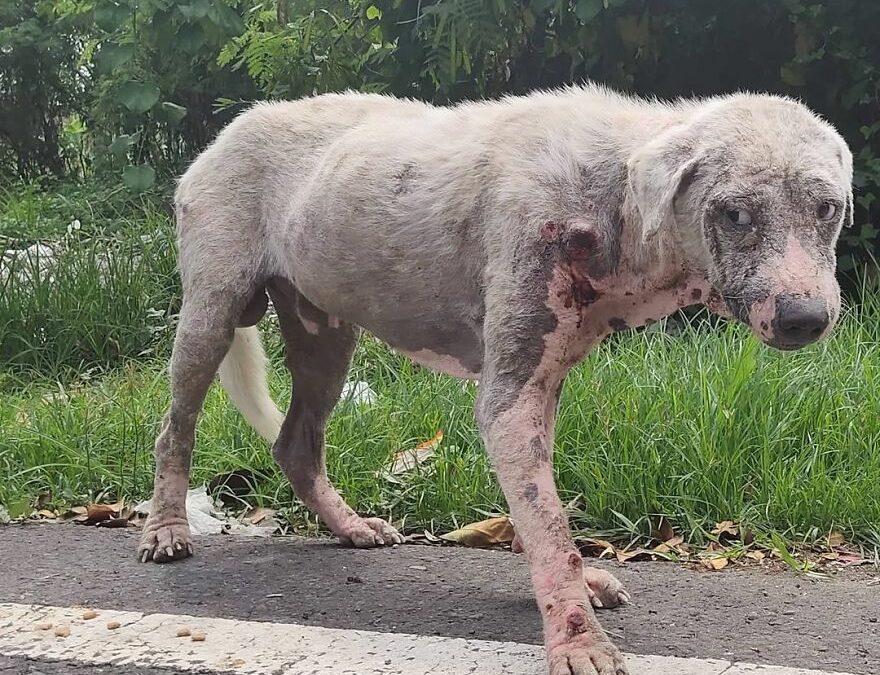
(800, 320)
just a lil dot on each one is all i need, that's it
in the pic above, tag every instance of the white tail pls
(243, 375)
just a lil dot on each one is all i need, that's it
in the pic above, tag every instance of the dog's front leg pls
(515, 411)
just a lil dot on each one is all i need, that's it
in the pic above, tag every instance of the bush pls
(160, 77)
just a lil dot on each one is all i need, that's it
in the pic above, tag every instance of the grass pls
(699, 427)
(88, 299)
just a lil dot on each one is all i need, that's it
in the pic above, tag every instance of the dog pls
(495, 240)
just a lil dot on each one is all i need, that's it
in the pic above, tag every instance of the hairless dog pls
(497, 240)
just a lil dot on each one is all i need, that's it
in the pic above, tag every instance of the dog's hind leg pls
(319, 351)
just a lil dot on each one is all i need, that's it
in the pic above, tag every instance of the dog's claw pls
(371, 532)
(165, 540)
(604, 589)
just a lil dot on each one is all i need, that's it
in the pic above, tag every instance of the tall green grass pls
(88, 301)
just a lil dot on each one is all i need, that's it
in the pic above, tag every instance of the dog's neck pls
(654, 277)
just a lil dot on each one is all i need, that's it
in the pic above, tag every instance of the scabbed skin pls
(500, 241)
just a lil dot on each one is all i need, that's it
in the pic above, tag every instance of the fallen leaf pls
(98, 512)
(672, 544)
(77, 514)
(407, 460)
(46, 513)
(113, 522)
(852, 560)
(258, 515)
(484, 533)
(726, 527)
(756, 555)
(717, 563)
(832, 555)
(625, 556)
(598, 547)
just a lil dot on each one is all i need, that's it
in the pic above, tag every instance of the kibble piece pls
(45, 625)
(113, 625)
(62, 631)
(198, 636)
(89, 614)
(183, 631)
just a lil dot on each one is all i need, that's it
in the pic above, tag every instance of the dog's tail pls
(243, 375)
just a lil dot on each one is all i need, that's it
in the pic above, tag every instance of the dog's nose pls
(799, 320)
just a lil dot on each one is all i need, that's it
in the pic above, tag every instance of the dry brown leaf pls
(756, 555)
(726, 527)
(75, 513)
(672, 544)
(113, 522)
(598, 547)
(46, 513)
(832, 555)
(258, 515)
(407, 460)
(625, 556)
(484, 533)
(717, 563)
(98, 512)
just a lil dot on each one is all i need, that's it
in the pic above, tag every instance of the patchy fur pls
(501, 240)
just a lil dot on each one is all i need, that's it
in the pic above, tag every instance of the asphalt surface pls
(23, 666)
(743, 615)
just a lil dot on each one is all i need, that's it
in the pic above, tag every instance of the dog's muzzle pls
(799, 321)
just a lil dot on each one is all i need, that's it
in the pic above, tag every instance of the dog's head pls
(754, 191)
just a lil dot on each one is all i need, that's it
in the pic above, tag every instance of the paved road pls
(748, 615)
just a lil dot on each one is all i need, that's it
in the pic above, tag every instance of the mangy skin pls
(499, 241)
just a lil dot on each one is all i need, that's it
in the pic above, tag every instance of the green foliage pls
(98, 290)
(110, 84)
(40, 88)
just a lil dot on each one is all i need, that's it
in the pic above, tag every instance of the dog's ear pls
(656, 173)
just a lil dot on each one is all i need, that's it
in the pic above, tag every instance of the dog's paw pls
(369, 533)
(604, 589)
(583, 656)
(164, 540)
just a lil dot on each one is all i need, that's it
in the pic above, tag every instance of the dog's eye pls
(826, 211)
(739, 217)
